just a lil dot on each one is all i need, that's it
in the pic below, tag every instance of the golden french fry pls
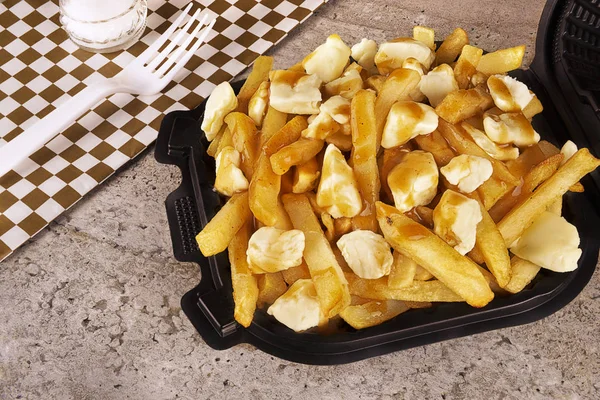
(364, 154)
(403, 271)
(357, 300)
(492, 190)
(245, 287)
(501, 61)
(437, 146)
(285, 136)
(466, 65)
(523, 272)
(342, 226)
(375, 82)
(245, 139)
(458, 139)
(427, 249)
(297, 153)
(306, 176)
(576, 188)
(422, 291)
(490, 243)
(418, 304)
(270, 287)
(212, 148)
(533, 108)
(297, 67)
(327, 221)
(451, 46)
(225, 141)
(398, 86)
(535, 177)
(525, 212)
(531, 157)
(476, 255)
(218, 233)
(340, 140)
(491, 281)
(372, 313)
(464, 103)
(291, 275)
(260, 73)
(326, 273)
(274, 120)
(425, 35)
(264, 192)
(421, 274)
(556, 207)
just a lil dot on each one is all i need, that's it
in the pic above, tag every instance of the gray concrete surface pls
(89, 309)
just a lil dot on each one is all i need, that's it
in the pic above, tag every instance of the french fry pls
(297, 153)
(403, 271)
(529, 158)
(437, 146)
(218, 233)
(476, 255)
(556, 207)
(418, 304)
(375, 82)
(306, 176)
(264, 192)
(535, 177)
(326, 273)
(274, 120)
(260, 73)
(421, 274)
(425, 35)
(291, 275)
(466, 65)
(245, 287)
(526, 211)
(364, 155)
(378, 289)
(341, 141)
(212, 148)
(533, 108)
(372, 313)
(428, 250)
(270, 287)
(342, 226)
(501, 61)
(523, 272)
(327, 221)
(455, 136)
(391, 158)
(398, 86)
(464, 103)
(490, 243)
(285, 136)
(245, 139)
(226, 140)
(451, 46)
(491, 281)
(492, 190)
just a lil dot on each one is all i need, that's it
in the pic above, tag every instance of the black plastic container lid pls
(565, 75)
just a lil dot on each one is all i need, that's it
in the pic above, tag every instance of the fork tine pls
(186, 57)
(173, 58)
(149, 52)
(174, 42)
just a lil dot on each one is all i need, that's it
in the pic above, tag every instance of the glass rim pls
(63, 12)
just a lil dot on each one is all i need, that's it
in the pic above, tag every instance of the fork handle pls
(32, 139)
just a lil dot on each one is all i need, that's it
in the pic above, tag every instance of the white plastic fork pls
(141, 76)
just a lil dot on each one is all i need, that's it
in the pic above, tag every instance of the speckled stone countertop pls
(89, 309)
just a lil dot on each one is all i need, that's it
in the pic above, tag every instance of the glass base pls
(112, 47)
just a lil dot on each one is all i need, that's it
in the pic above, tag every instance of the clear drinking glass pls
(103, 26)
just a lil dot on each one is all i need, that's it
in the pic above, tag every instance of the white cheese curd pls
(467, 172)
(328, 60)
(364, 53)
(295, 92)
(455, 220)
(510, 128)
(366, 253)
(391, 55)
(271, 249)
(257, 106)
(550, 242)
(407, 120)
(414, 180)
(346, 85)
(502, 153)
(338, 190)
(221, 102)
(509, 94)
(298, 308)
(229, 178)
(438, 83)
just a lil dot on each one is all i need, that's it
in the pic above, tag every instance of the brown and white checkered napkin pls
(40, 68)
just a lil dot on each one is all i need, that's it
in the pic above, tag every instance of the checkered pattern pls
(40, 68)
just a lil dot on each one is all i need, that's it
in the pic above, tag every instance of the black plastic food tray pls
(564, 75)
